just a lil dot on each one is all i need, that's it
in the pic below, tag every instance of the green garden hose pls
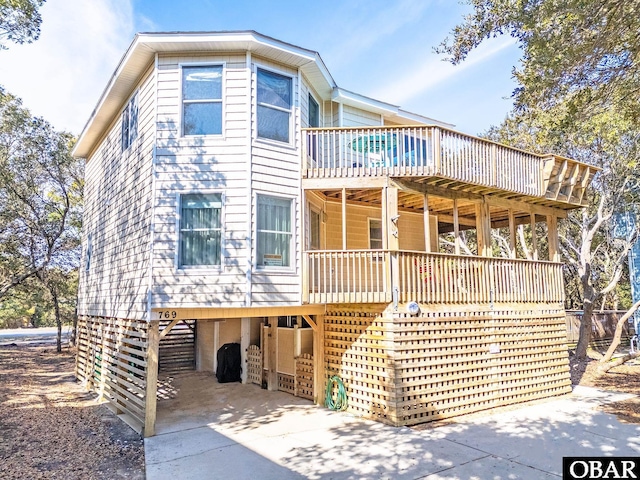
(341, 400)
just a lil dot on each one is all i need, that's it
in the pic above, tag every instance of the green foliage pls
(31, 304)
(19, 21)
(579, 57)
(41, 189)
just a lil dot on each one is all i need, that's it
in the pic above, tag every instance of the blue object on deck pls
(410, 151)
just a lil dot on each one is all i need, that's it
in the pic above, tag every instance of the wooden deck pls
(444, 158)
(372, 276)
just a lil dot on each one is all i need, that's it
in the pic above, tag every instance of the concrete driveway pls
(243, 432)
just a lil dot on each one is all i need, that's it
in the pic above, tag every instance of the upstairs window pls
(274, 231)
(314, 113)
(202, 100)
(274, 106)
(130, 122)
(200, 229)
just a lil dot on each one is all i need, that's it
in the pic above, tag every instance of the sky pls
(382, 49)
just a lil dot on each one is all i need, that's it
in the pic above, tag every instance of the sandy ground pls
(52, 428)
(625, 378)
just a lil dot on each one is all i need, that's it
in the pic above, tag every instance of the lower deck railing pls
(371, 276)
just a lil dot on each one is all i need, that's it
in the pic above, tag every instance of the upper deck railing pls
(422, 151)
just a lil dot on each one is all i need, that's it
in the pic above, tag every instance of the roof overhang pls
(142, 51)
(389, 111)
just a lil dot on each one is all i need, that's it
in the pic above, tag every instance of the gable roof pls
(144, 47)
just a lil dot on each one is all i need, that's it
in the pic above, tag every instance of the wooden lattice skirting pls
(405, 370)
(254, 365)
(304, 376)
(111, 360)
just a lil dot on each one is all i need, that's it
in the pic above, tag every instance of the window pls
(130, 122)
(89, 252)
(274, 106)
(314, 113)
(200, 229)
(314, 229)
(274, 231)
(202, 100)
(375, 234)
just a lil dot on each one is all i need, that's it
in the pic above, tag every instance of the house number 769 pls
(167, 314)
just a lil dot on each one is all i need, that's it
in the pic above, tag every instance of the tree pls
(579, 96)
(591, 241)
(61, 285)
(19, 21)
(40, 197)
(581, 54)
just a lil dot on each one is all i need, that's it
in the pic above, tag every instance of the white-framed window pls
(202, 99)
(274, 107)
(274, 231)
(129, 131)
(314, 113)
(375, 234)
(200, 235)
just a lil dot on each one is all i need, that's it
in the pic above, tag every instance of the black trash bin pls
(229, 363)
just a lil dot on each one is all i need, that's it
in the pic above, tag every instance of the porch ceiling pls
(441, 194)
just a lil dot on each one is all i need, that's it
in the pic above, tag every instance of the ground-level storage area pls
(396, 368)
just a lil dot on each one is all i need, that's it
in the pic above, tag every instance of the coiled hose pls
(341, 400)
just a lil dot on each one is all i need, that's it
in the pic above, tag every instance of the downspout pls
(154, 174)
(249, 196)
(302, 198)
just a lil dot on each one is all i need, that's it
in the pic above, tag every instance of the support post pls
(344, 219)
(456, 227)
(272, 373)
(319, 376)
(512, 234)
(392, 218)
(427, 225)
(245, 338)
(150, 403)
(552, 231)
(393, 233)
(534, 238)
(483, 227)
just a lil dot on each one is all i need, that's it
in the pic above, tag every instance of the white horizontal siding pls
(356, 117)
(117, 217)
(193, 164)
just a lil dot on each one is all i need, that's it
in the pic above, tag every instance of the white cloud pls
(435, 71)
(61, 76)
